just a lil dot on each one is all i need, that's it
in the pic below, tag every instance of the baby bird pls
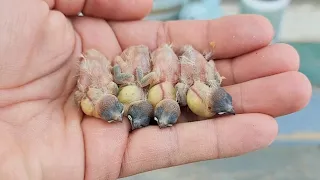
(129, 69)
(200, 85)
(96, 92)
(162, 94)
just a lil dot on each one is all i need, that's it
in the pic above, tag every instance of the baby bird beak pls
(222, 102)
(232, 112)
(140, 114)
(117, 118)
(166, 113)
(110, 109)
(228, 112)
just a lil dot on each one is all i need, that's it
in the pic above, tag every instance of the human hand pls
(44, 136)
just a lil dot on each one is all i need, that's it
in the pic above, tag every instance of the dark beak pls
(231, 112)
(117, 118)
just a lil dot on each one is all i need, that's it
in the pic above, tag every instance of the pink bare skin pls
(165, 74)
(165, 64)
(195, 70)
(194, 66)
(200, 77)
(133, 62)
(44, 136)
(129, 69)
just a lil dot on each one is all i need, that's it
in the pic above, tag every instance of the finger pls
(48, 32)
(153, 148)
(233, 35)
(118, 10)
(270, 60)
(104, 142)
(275, 95)
(67, 7)
(96, 33)
(111, 9)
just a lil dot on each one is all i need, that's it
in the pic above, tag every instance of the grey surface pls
(305, 121)
(298, 162)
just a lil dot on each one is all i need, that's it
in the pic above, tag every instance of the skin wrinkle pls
(163, 34)
(207, 36)
(115, 34)
(173, 148)
(51, 71)
(8, 158)
(167, 34)
(38, 166)
(242, 109)
(18, 23)
(84, 5)
(233, 77)
(38, 78)
(50, 3)
(157, 37)
(20, 124)
(80, 46)
(124, 162)
(216, 137)
(67, 131)
(76, 49)
(31, 83)
(67, 92)
(33, 120)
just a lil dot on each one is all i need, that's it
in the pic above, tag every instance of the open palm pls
(43, 135)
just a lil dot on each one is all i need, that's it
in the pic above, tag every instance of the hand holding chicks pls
(148, 86)
(44, 135)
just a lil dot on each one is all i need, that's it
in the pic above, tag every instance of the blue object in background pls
(201, 10)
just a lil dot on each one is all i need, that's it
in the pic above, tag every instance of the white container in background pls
(272, 9)
(166, 9)
(201, 10)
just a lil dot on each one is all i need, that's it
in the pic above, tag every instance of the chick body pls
(96, 92)
(162, 92)
(200, 85)
(129, 70)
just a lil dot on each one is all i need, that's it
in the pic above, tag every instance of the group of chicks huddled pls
(147, 86)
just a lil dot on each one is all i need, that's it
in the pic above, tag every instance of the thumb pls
(106, 9)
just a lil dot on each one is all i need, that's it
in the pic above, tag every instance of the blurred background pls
(295, 155)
